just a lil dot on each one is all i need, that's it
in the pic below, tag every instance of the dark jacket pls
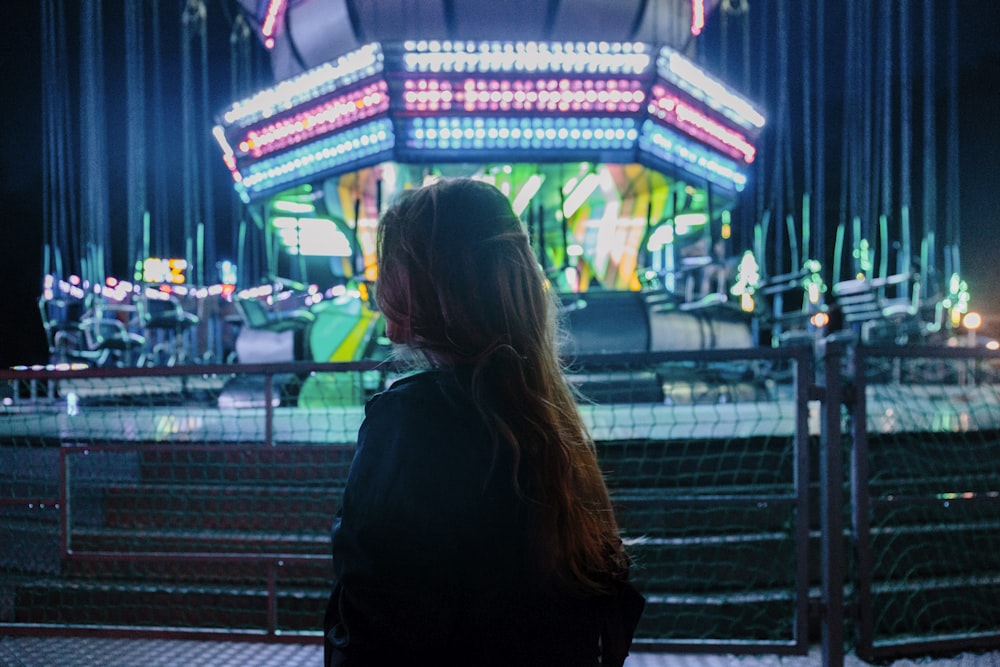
(431, 552)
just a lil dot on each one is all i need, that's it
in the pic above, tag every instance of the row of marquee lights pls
(490, 100)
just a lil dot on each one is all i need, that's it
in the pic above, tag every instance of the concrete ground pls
(94, 652)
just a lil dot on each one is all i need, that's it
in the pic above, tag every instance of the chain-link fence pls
(764, 505)
(925, 479)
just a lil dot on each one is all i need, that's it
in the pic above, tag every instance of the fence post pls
(269, 409)
(272, 597)
(64, 515)
(805, 379)
(861, 507)
(831, 475)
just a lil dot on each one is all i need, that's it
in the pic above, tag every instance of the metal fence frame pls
(803, 390)
(830, 390)
(830, 377)
(272, 560)
(854, 385)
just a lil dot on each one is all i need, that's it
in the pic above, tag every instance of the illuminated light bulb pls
(813, 292)
(519, 133)
(819, 320)
(684, 222)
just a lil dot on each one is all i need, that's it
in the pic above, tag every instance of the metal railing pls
(778, 438)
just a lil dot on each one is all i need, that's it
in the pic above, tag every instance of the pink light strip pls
(321, 119)
(547, 95)
(270, 24)
(697, 17)
(675, 111)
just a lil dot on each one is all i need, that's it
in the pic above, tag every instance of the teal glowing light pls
(336, 152)
(679, 151)
(747, 275)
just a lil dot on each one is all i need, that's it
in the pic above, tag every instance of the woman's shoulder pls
(425, 423)
(414, 381)
(429, 402)
(422, 390)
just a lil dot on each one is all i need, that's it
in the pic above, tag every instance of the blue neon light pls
(325, 155)
(493, 133)
(673, 148)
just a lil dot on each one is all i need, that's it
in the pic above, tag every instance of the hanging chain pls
(194, 11)
(735, 7)
(193, 21)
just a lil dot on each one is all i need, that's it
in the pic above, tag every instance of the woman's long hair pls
(458, 282)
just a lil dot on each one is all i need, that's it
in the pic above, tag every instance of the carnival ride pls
(627, 160)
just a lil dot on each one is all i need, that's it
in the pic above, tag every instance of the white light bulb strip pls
(684, 74)
(561, 57)
(349, 68)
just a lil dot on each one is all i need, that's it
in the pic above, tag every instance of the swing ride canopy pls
(429, 101)
(365, 83)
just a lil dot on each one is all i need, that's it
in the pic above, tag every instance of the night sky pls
(22, 340)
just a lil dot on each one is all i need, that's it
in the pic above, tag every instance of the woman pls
(476, 528)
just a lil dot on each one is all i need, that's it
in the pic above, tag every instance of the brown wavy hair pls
(458, 282)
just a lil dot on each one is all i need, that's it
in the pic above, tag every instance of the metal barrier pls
(925, 498)
(707, 458)
(829, 388)
(173, 501)
(197, 501)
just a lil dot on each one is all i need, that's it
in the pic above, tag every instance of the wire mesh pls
(933, 479)
(700, 459)
(204, 499)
